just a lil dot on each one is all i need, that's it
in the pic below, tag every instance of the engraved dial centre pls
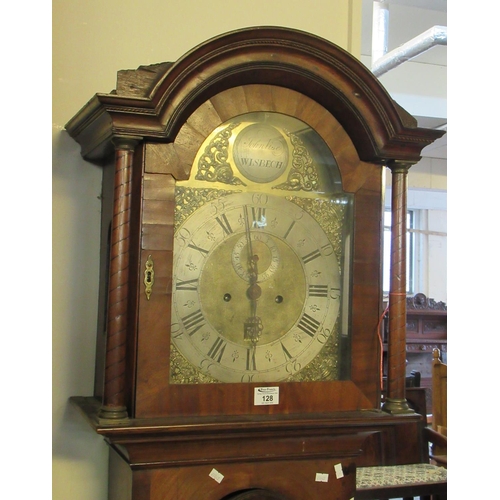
(218, 281)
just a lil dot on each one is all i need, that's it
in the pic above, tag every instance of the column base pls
(396, 406)
(113, 413)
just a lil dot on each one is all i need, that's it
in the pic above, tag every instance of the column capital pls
(126, 142)
(399, 166)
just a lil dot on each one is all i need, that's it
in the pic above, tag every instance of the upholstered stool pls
(400, 481)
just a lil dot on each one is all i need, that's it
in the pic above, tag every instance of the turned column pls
(396, 356)
(114, 396)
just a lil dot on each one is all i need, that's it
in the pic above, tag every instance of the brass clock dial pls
(258, 286)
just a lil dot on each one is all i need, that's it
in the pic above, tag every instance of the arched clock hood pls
(153, 102)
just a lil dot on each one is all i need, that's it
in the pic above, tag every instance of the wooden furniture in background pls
(401, 481)
(439, 393)
(439, 409)
(417, 400)
(426, 329)
(426, 480)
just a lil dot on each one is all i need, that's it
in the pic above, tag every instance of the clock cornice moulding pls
(153, 102)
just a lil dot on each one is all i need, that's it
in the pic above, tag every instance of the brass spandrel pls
(266, 151)
(302, 175)
(214, 164)
(325, 366)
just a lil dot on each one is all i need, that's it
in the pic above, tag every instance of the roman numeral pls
(190, 285)
(308, 325)
(311, 256)
(217, 350)
(318, 290)
(193, 322)
(288, 230)
(258, 216)
(224, 224)
(201, 250)
(288, 356)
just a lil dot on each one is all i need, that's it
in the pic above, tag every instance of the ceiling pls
(419, 84)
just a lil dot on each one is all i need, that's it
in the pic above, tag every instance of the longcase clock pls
(237, 344)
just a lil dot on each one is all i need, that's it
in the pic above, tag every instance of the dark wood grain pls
(373, 436)
(396, 359)
(115, 392)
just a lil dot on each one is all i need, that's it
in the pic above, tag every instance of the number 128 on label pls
(266, 396)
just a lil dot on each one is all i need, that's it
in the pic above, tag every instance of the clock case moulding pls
(146, 134)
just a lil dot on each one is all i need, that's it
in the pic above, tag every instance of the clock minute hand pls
(254, 291)
(249, 243)
(253, 324)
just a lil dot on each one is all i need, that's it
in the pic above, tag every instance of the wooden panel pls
(230, 103)
(286, 101)
(205, 119)
(170, 468)
(164, 159)
(154, 314)
(259, 97)
(156, 237)
(375, 435)
(293, 480)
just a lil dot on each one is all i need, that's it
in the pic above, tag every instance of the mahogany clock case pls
(164, 113)
(154, 394)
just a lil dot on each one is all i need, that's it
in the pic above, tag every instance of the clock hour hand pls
(253, 324)
(252, 329)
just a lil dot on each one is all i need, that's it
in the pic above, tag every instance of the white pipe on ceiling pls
(380, 29)
(437, 35)
(383, 61)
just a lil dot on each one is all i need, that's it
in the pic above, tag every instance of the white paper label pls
(216, 475)
(266, 396)
(338, 471)
(321, 477)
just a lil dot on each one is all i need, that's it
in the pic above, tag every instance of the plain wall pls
(92, 41)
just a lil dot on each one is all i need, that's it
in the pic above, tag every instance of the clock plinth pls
(297, 456)
(241, 255)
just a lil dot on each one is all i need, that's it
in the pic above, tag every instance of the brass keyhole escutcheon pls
(149, 277)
